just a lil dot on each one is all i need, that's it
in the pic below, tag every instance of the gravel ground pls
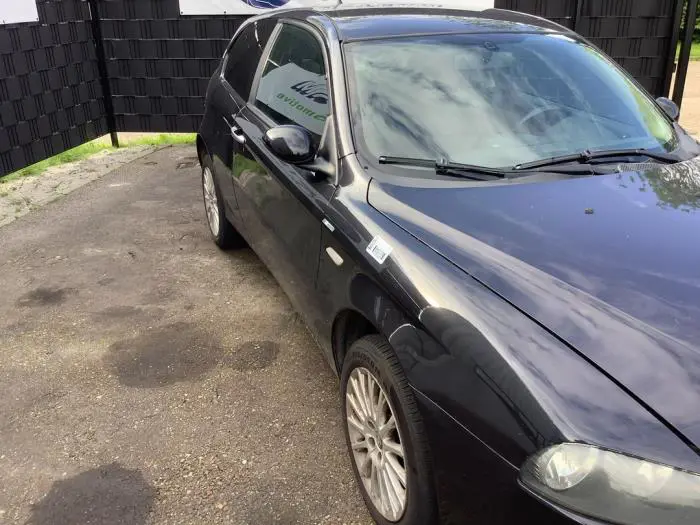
(21, 196)
(147, 377)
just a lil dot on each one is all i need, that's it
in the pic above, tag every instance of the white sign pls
(16, 11)
(299, 95)
(244, 7)
(252, 7)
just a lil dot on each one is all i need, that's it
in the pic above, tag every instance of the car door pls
(229, 96)
(283, 205)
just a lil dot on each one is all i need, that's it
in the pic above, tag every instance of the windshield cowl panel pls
(495, 100)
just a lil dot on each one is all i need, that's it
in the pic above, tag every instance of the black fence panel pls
(159, 63)
(638, 34)
(50, 93)
(560, 11)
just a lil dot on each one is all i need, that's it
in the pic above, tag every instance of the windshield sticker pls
(379, 249)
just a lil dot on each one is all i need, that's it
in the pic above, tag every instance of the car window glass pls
(244, 56)
(496, 100)
(293, 87)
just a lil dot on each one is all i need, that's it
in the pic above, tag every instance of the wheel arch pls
(349, 325)
(201, 148)
(370, 311)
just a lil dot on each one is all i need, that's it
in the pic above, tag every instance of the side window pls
(244, 56)
(293, 87)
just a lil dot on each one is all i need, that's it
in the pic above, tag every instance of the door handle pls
(237, 134)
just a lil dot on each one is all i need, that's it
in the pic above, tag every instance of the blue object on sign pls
(266, 4)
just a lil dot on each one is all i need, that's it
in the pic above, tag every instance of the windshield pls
(496, 100)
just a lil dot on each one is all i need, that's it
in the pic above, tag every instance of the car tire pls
(373, 358)
(222, 231)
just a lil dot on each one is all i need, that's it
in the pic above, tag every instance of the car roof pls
(354, 22)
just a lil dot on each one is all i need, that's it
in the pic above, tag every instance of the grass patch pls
(694, 51)
(71, 155)
(163, 139)
(97, 146)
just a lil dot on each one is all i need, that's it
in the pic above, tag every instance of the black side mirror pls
(669, 107)
(292, 144)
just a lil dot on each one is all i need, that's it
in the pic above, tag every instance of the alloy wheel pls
(211, 203)
(376, 444)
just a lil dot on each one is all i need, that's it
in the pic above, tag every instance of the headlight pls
(613, 487)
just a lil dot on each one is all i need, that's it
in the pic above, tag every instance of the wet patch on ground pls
(163, 356)
(253, 355)
(108, 495)
(45, 296)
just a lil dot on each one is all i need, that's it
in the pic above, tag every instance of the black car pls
(492, 232)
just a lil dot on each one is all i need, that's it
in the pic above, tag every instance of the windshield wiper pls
(587, 156)
(454, 169)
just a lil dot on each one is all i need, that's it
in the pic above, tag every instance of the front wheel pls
(222, 232)
(385, 436)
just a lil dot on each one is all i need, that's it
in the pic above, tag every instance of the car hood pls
(609, 264)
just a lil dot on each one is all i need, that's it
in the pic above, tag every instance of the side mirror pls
(292, 144)
(669, 107)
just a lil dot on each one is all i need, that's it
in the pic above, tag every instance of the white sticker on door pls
(379, 249)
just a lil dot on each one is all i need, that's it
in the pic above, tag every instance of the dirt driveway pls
(147, 377)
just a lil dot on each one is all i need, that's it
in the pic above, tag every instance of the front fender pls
(504, 378)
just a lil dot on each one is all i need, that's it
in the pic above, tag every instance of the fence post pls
(671, 56)
(102, 67)
(577, 15)
(682, 73)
